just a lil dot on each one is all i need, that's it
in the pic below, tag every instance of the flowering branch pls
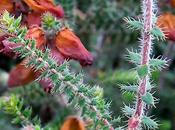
(79, 95)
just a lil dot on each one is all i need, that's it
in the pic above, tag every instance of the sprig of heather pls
(137, 113)
(79, 95)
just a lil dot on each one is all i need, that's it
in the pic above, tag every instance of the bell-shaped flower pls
(71, 47)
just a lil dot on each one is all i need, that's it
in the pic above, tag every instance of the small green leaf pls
(133, 57)
(32, 44)
(158, 63)
(158, 33)
(150, 123)
(148, 99)
(16, 120)
(27, 112)
(68, 78)
(133, 24)
(17, 21)
(128, 111)
(143, 71)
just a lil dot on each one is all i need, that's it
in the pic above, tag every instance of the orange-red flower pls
(45, 5)
(38, 35)
(167, 23)
(172, 3)
(6, 5)
(33, 18)
(73, 123)
(20, 75)
(71, 47)
(66, 46)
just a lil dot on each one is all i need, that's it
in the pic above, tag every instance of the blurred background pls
(100, 25)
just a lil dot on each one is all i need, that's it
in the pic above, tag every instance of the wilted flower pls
(73, 123)
(167, 23)
(71, 47)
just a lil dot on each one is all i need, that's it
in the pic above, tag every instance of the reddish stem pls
(135, 120)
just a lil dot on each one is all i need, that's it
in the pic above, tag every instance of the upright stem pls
(135, 120)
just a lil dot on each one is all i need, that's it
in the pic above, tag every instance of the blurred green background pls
(100, 25)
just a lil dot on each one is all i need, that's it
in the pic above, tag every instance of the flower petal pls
(6, 5)
(35, 32)
(73, 123)
(33, 18)
(45, 5)
(20, 75)
(71, 47)
(167, 23)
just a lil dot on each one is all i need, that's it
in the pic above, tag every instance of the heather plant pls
(78, 94)
(53, 71)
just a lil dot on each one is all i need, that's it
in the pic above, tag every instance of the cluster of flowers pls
(63, 45)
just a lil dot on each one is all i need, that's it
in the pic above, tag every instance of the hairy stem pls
(135, 120)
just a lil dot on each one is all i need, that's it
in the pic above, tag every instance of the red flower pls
(44, 6)
(167, 23)
(71, 47)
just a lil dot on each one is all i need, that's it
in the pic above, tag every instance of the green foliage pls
(158, 33)
(13, 106)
